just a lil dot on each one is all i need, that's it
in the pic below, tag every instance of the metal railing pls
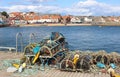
(32, 37)
(9, 48)
(19, 35)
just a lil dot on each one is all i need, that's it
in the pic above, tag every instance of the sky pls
(71, 7)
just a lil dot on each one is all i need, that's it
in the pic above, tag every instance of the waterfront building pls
(56, 18)
(98, 20)
(49, 18)
(103, 20)
(39, 18)
(76, 19)
(88, 19)
(18, 20)
(113, 19)
(45, 19)
(66, 19)
(31, 17)
(14, 14)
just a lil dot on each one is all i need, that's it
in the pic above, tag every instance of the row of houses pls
(81, 19)
(31, 17)
(34, 18)
(94, 19)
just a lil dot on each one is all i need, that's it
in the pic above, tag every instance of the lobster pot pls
(51, 47)
(76, 62)
(55, 44)
(67, 63)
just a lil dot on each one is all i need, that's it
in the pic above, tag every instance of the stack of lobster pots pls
(90, 61)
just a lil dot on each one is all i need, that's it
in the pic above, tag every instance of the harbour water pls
(93, 38)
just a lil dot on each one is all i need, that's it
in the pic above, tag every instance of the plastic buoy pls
(24, 65)
(113, 65)
(111, 70)
(16, 65)
(100, 65)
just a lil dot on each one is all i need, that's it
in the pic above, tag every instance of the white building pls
(116, 20)
(75, 20)
(54, 20)
(102, 20)
(45, 20)
(88, 19)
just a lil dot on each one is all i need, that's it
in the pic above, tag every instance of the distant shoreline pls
(70, 24)
(57, 24)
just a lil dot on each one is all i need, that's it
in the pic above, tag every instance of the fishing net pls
(25, 73)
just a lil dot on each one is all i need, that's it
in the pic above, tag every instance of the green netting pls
(8, 63)
(25, 73)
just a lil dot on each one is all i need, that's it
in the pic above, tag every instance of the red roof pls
(45, 17)
(55, 17)
(18, 17)
(65, 17)
(36, 17)
(16, 13)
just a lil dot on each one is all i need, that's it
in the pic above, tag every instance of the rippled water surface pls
(79, 37)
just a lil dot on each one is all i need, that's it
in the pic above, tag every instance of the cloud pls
(3, 8)
(77, 11)
(37, 8)
(98, 8)
(38, 1)
(87, 7)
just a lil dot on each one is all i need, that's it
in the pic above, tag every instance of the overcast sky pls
(72, 7)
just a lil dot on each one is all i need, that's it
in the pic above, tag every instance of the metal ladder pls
(32, 37)
(19, 35)
(21, 41)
